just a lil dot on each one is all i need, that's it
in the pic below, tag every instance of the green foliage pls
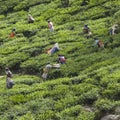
(28, 116)
(27, 80)
(73, 111)
(65, 3)
(106, 105)
(69, 101)
(86, 116)
(116, 16)
(2, 17)
(85, 86)
(48, 114)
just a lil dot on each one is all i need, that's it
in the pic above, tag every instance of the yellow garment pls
(45, 70)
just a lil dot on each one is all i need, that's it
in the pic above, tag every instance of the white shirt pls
(50, 25)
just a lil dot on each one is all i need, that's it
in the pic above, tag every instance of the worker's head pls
(48, 62)
(6, 69)
(95, 38)
(14, 29)
(48, 21)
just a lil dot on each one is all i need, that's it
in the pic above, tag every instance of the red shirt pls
(12, 34)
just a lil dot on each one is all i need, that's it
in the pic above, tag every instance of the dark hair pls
(60, 55)
(48, 62)
(6, 68)
(48, 20)
(95, 38)
(13, 29)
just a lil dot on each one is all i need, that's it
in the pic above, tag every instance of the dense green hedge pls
(86, 87)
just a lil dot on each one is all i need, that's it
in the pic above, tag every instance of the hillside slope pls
(86, 87)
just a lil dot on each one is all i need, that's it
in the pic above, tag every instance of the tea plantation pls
(87, 87)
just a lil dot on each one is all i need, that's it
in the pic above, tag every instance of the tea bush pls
(85, 87)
